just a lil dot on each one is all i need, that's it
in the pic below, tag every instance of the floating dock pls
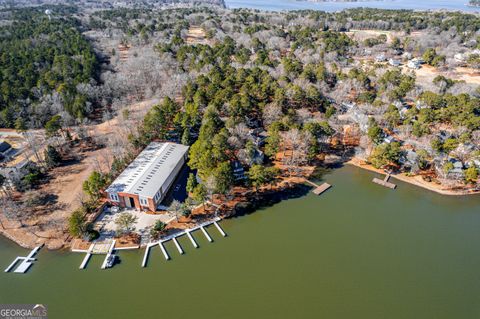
(220, 229)
(164, 251)
(145, 256)
(321, 189)
(109, 253)
(206, 234)
(179, 248)
(385, 182)
(173, 237)
(26, 262)
(194, 243)
(84, 263)
(24, 265)
(12, 264)
(318, 189)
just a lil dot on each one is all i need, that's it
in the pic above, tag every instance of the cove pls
(357, 251)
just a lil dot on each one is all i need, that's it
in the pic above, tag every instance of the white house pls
(380, 58)
(394, 62)
(414, 64)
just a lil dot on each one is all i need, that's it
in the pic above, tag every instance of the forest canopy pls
(40, 56)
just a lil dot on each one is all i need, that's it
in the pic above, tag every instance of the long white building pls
(144, 183)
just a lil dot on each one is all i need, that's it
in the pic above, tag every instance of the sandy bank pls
(415, 180)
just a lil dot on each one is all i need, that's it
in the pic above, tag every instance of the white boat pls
(110, 261)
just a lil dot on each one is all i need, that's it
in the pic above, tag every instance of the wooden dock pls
(385, 182)
(319, 189)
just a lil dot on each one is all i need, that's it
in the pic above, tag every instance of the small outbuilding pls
(380, 58)
(394, 62)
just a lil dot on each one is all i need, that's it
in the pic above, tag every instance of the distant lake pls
(278, 5)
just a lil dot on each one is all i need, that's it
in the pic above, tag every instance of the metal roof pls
(4, 146)
(150, 170)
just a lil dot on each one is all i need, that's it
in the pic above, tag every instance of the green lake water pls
(357, 251)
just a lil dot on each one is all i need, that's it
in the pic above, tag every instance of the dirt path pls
(68, 184)
(196, 35)
(362, 35)
(427, 73)
(66, 187)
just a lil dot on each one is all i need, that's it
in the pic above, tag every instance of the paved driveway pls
(106, 222)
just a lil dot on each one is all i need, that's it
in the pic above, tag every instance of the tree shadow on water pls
(269, 199)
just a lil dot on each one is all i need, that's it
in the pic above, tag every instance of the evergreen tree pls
(52, 157)
(191, 183)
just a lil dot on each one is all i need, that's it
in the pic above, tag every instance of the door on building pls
(132, 202)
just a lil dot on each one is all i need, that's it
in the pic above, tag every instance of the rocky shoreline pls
(292, 189)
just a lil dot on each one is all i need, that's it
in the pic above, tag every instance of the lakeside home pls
(145, 182)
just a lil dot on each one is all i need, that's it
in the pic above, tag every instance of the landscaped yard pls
(145, 221)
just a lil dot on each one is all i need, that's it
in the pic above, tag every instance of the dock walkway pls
(26, 262)
(318, 189)
(109, 253)
(87, 257)
(177, 244)
(206, 234)
(173, 237)
(220, 229)
(384, 182)
(145, 256)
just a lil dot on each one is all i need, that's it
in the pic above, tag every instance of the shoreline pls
(357, 162)
(23, 241)
(412, 180)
